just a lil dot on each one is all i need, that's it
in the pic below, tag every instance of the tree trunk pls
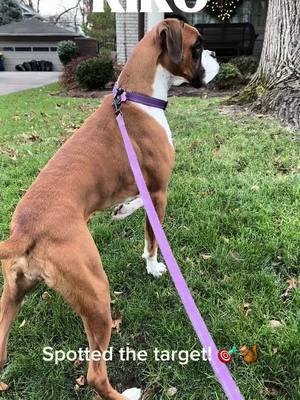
(277, 82)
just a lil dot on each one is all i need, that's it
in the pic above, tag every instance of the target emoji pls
(224, 356)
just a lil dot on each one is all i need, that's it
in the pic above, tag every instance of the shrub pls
(228, 76)
(94, 74)
(247, 65)
(69, 78)
(67, 50)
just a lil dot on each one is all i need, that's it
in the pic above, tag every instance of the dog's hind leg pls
(83, 283)
(16, 285)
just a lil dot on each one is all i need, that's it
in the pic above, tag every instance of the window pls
(6, 49)
(40, 48)
(23, 48)
(53, 48)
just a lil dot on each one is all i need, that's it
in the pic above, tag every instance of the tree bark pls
(276, 85)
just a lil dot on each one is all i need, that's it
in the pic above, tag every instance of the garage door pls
(14, 54)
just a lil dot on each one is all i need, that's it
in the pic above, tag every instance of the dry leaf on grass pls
(3, 387)
(172, 392)
(292, 284)
(77, 363)
(274, 350)
(275, 324)
(247, 308)
(116, 324)
(81, 381)
(46, 296)
(255, 188)
(206, 256)
(215, 152)
(23, 323)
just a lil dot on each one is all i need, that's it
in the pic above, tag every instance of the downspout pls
(141, 17)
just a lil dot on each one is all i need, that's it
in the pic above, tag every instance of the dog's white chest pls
(160, 117)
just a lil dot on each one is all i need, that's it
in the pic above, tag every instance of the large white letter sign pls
(161, 6)
(181, 4)
(98, 6)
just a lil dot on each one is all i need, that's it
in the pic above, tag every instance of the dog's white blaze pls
(161, 86)
(154, 267)
(210, 65)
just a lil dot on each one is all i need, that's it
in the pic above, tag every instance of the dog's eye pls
(197, 50)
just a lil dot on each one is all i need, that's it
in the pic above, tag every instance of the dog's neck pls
(143, 72)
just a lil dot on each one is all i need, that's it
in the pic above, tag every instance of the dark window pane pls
(6, 49)
(53, 49)
(40, 48)
(23, 48)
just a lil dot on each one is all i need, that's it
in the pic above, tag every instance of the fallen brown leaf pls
(3, 387)
(247, 308)
(46, 296)
(81, 381)
(77, 363)
(275, 324)
(172, 391)
(236, 256)
(116, 323)
(206, 256)
(215, 152)
(292, 284)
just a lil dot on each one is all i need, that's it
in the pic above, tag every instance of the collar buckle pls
(120, 97)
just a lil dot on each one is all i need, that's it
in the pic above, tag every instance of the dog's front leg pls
(154, 267)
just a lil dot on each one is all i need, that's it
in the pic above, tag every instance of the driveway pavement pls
(11, 82)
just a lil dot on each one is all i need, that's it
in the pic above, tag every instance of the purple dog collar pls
(121, 96)
(221, 371)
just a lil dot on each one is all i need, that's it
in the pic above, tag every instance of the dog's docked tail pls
(14, 247)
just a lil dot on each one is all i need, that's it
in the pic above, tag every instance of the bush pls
(69, 78)
(94, 74)
(247, 65)
(67, 50)
(228, 76)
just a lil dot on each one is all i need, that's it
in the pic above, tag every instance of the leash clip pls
(120, 97)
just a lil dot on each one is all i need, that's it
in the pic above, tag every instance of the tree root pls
(282, 101)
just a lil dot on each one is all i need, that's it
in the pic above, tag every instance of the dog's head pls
(183, 54)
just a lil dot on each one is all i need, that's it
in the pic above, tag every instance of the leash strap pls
(221, 371)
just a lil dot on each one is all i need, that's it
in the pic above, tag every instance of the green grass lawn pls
(234, 196)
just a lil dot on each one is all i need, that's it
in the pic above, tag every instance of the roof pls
(34, 27)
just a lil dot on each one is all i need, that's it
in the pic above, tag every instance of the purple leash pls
(221, 371)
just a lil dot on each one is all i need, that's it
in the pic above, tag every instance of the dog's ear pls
(170, 34)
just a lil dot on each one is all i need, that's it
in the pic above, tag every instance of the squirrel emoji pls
(249, 355)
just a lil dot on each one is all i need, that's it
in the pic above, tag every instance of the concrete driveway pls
(11, 82)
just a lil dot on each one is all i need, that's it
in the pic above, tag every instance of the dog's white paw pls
(132, 394)
(156, 269)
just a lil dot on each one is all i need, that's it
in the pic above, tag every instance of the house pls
(131, 26)
(32, 39)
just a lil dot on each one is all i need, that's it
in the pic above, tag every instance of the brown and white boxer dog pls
(49, 238)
